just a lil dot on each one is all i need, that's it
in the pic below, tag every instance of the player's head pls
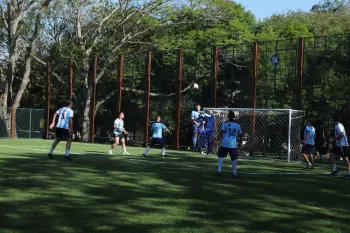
(198, 107)
(157, 118)
(308, 123)
(121, 115)
(210, 111)
(231, 115)
(69, 104)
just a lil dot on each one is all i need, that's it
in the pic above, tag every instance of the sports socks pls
(194, 141)
(163, 152)
(234, 167)
(147, 149)
(220, 160)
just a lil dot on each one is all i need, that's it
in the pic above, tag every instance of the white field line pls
(167, 163)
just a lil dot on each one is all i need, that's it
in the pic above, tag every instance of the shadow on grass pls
(91, 194)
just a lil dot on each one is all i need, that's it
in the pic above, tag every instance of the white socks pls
(234, 167)
(67, 152)
(51, 151)
(163, 152)
(334, 168)
(147, 149)
(220, 160)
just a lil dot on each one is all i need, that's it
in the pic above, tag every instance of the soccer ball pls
(195, 86)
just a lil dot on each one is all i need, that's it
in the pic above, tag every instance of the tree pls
(21, 21)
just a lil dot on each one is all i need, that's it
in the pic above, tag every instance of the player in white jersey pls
(64, 128)
(228, 133)
(341, 145)
(118, 134)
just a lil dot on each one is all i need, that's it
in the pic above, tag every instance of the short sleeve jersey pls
(339, 128)
(197, 117)
(230, 130)
(64, 114)
(157, 129)
(119, 126)
(311, 130)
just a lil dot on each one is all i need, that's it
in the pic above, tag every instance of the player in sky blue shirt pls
(229, 132)
(157, 136)
(309, 143)
(197, 120)
(208, 131)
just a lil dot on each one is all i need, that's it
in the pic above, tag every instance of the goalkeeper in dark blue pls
(208, 131)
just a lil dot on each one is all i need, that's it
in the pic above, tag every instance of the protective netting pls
(268, 133)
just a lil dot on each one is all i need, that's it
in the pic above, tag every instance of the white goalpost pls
(267, 133)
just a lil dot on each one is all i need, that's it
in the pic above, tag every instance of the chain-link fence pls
(29, 123)
(268, 133)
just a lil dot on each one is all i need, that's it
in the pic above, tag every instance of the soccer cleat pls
(163, 157)
(125, 153)
(217, 174)
(333, 173)
(144, 155)
(68, 157)
(347, 176)
(110, 152)
(50, 155)
(235, 176)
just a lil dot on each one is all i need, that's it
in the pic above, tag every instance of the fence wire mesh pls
(267, 133)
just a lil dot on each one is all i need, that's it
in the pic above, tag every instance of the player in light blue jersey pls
(228, 134)
(157, 136)
(208, 131)
(64, 128)
(198, 123)
(309, 144)
(341, 146)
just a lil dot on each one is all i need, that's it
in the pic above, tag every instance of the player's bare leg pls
(54, 144)
(124, 147)
(68, 145)
(116, 143)
(306, 157)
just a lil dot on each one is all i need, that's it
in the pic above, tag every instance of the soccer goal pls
(267, 133)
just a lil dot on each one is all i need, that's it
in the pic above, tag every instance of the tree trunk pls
(5, 122)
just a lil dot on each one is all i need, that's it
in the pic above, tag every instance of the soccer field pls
(97, 192)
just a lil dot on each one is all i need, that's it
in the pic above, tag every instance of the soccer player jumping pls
(118, 133)
(157, 137)
(64, 128)
(229, 132)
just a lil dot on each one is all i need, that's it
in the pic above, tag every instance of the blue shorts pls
(197, 129)
(223, 151)
(158, 141)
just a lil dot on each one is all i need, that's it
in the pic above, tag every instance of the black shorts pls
(223, 151)
(119, 135)
(158, 141)
(62, 133)
(307, 149)
(340, 151)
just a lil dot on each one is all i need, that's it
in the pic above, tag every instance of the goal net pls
(268, 133)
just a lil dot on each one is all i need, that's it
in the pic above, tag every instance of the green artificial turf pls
(97, 192)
